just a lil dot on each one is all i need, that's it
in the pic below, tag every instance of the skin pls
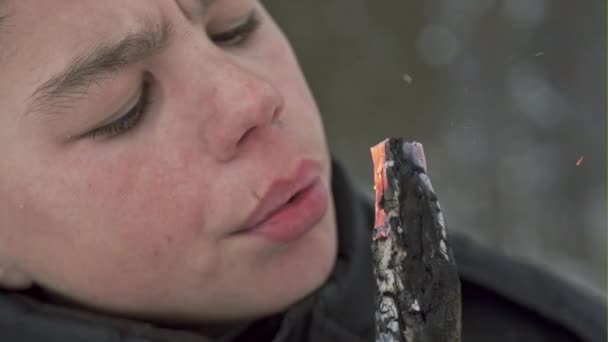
(142, 224)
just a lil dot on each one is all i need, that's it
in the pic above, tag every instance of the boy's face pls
(137, 139)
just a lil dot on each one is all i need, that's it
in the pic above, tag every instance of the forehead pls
(90, 16)
(41, 37)
(77, 20)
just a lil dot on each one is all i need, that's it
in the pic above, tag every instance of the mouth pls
(291, 206)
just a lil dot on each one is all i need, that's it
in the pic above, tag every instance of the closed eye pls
(239, 34)
(127, 121)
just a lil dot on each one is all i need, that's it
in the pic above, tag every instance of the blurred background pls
(507, 96)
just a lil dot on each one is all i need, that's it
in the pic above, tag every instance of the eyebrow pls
(98, 65)
(201, 11)
(3, 17)
(206, 3)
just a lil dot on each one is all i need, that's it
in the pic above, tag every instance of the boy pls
(165, 177)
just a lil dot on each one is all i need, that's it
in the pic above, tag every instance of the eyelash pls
(236, 36)
(240, 34)
(130, 119)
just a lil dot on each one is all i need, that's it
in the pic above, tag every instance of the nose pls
(245, 104)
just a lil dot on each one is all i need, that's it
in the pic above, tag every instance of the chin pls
(304, 269)
(281, 276)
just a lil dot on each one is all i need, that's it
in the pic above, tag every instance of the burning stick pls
(418, 287)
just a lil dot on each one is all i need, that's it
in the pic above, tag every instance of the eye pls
(239, 34)
(127, 121)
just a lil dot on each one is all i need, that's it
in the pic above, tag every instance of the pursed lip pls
(282, 190)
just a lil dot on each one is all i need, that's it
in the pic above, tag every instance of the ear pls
(13, 279)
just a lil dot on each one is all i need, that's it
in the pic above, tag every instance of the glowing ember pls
(378, 157)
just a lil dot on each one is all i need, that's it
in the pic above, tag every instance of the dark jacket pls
(503, 300)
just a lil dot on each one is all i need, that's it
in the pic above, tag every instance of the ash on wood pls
(418, 287)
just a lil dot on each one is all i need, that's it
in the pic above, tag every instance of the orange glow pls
(378, 157)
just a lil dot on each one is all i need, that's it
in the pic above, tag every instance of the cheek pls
(286, 72)
(130, 216)
(146, 197)
(143, 214)
(127, 213)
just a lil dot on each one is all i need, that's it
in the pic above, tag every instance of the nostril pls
(245, 135)
(277, 113)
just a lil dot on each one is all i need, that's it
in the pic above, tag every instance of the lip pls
(291, 206)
